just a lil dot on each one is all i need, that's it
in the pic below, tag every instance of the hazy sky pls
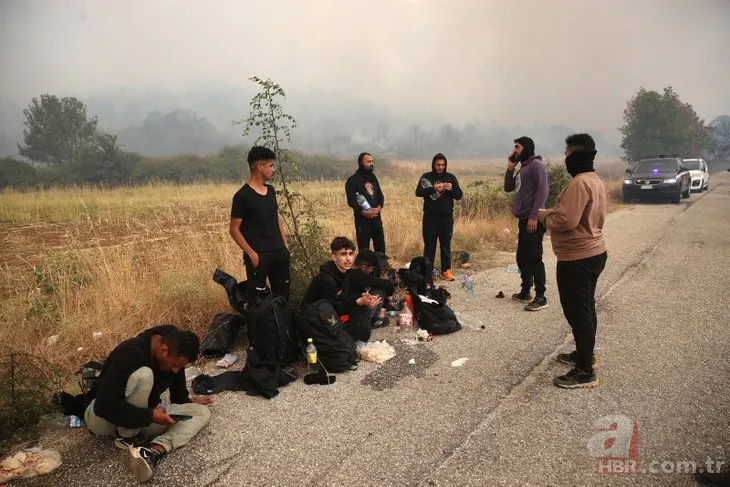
(572, 62)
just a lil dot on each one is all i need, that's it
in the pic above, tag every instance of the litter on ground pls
(459, 362)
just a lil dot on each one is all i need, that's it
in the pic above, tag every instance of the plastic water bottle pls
(362, 201)
(469, 286)
(425, 183)
(311, 355)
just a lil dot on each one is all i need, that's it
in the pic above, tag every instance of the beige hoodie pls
(576, 223)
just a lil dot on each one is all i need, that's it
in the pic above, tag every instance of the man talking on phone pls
(530, 181)
(126, 397)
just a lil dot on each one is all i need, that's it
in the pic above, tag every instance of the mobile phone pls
(180, 417)
(512, 158)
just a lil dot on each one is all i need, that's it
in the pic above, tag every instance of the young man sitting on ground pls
(331, 284)
(361, 280)
(127, 397)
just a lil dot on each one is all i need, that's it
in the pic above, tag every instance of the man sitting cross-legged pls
(127, 397)
(332, 284)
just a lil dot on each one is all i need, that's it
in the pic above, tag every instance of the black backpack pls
(221, 335)
(335, 347)
(271, 330)
(418, 278)
(437, 319)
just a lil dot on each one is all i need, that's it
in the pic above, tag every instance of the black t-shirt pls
(259, 218)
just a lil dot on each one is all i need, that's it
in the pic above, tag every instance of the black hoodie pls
(444, 204)
(365, 183)
(329, 284)
(122, 362)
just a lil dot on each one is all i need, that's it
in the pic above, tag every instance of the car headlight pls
(670, 180)
(627, 181)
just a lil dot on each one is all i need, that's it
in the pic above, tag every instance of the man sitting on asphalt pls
(362, 281)
(127, 397)
(331, 284)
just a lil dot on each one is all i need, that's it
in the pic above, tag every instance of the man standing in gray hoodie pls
(530, 181)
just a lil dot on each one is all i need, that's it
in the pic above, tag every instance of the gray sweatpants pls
(137, 392)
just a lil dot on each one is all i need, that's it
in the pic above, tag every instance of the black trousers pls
(529, 258)
(438, 228)
(274, 265)
(577, 288)
(367, 230)
(359, 326)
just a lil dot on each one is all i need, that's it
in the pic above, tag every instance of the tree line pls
(63, 145)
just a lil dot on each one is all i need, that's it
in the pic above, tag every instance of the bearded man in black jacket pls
(439, 189)
(366, 199)
(127, 397)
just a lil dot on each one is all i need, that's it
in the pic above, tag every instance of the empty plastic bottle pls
(469, 286)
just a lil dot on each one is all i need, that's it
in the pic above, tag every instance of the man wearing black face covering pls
(576, 233)
(366, 199)
(531, 184)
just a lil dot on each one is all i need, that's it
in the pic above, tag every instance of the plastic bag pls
(376, 352)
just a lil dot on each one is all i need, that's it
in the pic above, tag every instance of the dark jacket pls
(365, 183)
(358, 281)
(533, 187)
(329, 284)
(444, 204)
(124, 360)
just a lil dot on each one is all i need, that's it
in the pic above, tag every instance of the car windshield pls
(656, 165)
(692, 164)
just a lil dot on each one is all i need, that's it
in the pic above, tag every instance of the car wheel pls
(688, 192)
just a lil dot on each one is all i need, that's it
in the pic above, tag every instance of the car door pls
(706, 172)
(684, 175)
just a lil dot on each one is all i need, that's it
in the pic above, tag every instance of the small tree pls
(57, 130)
(267, 117)
(656, 124)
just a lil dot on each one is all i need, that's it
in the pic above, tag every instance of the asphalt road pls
(663, 359)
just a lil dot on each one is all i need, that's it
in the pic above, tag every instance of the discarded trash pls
(405, 319)
(191, 373)
(512, 268)
(412, 361)
(29, 463)
(97, 334)
(459, 362)
(74, 422)
(423, 335)
(470, 322)
(468, 285)
(377, 351)
(51, 339)
(506, 230)
(80, 349)
(409, 341)
(499, 295)
(227, 360)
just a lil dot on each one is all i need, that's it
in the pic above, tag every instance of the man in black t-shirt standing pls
(366, 199)
(258, 229)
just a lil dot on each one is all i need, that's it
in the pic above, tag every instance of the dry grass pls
(83, 260)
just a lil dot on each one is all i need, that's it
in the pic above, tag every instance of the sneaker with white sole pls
(523, 297)
(142, 461)
(132, 442)
(540, 302)
(569, 359)
(576, 379)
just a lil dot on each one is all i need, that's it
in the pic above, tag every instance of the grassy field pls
(81, 260)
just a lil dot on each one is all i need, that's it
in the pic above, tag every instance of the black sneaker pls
(569, 359)
(576, 379)
(380, 323)
(522, 296)
(142, 461)
(540, 302)
(132, 442)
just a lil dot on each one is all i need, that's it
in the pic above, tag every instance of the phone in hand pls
(512, 158)
(180, 417)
